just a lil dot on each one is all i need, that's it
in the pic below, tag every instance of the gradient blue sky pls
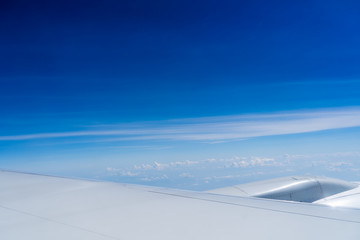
(190, 94)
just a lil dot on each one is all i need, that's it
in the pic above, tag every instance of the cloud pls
(234, 170)
(212, 129)
(162, 166)
(181, 166)
(156, 178)
(184, 163)
(115, 172)
(186, 175)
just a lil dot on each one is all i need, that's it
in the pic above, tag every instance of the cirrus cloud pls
(211, 129)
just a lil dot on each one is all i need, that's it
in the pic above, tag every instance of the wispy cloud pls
(212, 129)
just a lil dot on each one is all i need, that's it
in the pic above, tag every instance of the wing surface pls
(44, 207)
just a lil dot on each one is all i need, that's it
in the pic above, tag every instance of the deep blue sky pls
(72, 65)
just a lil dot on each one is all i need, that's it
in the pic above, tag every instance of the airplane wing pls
(45, 207)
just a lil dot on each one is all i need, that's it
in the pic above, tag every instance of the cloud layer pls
(238, 169)
(212, 129)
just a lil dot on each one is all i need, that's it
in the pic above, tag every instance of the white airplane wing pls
(45, 207)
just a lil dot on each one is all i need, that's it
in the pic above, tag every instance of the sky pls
(186, 94)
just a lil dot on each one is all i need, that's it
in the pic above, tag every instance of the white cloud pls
(258, 161)
(145, 167)
(213, 129)
(117, 172)
(130, 174)
(160, 166)
(156, 178)
(186, 175)
(184, 163)
(237, 169)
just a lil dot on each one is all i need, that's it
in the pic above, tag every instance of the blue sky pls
(190, 94)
